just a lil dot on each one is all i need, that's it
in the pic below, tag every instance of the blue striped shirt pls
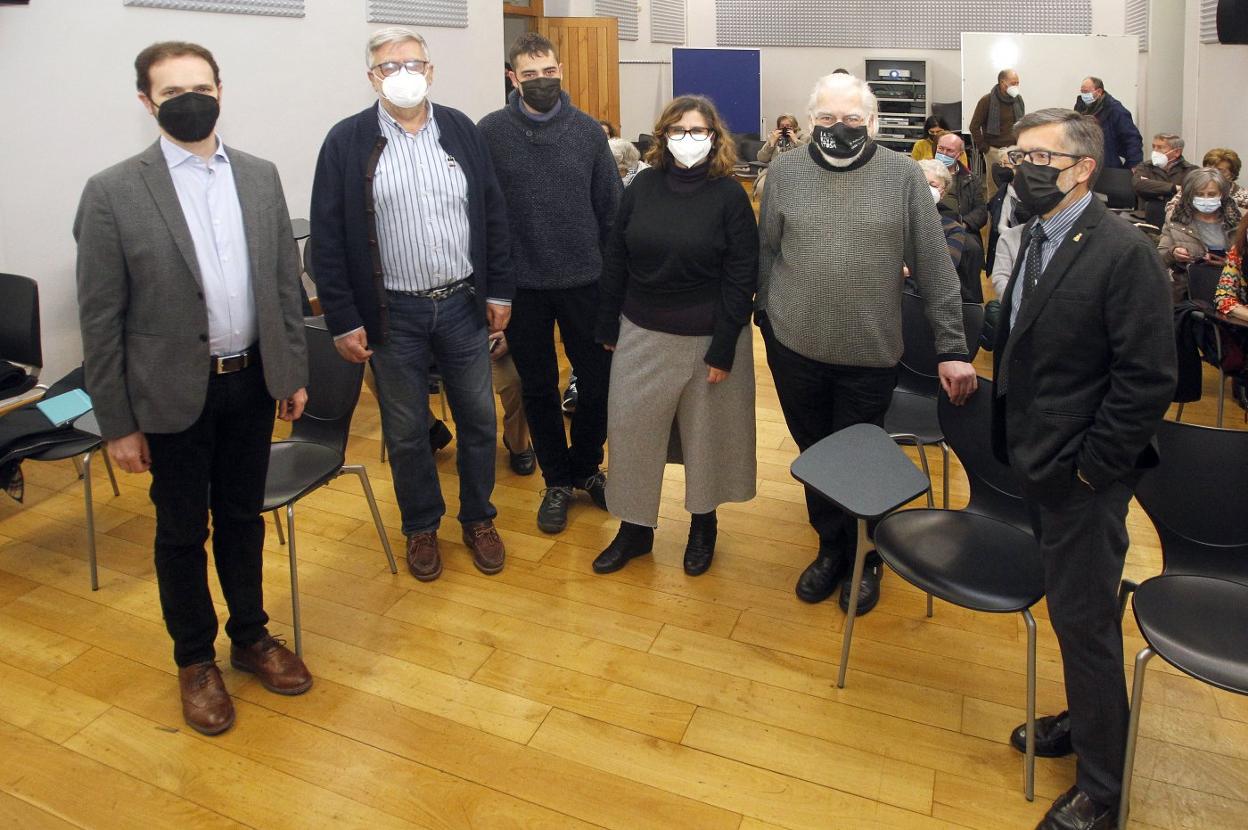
(421, 197)
(209, 202)
(1055, 227)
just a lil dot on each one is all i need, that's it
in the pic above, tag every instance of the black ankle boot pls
(703, 529)
(632, 541)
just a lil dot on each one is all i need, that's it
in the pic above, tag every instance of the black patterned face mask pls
(840, 141)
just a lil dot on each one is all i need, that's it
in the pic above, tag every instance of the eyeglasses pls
(1041, 158)
(696, 133)
(389, 68)
(824, 119)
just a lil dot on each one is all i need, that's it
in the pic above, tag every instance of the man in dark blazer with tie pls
(1085, 370)
(189, 304)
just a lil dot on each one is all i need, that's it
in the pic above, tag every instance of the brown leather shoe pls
(278, 669)
(486, 546)
(423, 558)
(206, 705)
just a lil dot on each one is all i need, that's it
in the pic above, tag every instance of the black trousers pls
(531, 338)
(219, 463)
(818, 399)
(1084, 543)
(970, 268)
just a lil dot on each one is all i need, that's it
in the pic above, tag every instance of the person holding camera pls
(783, 138)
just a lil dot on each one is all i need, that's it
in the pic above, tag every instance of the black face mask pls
(840, 141)
(190, 117)
(1037, 187)
(541, 93)
(1002, 175)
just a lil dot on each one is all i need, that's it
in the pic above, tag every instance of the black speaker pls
(1232, 21)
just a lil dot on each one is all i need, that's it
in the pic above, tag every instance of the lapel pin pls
(1078, 236)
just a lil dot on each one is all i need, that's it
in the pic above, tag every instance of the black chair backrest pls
(951, 112)
(644, 142)
(917, 371)
(1197, 500)
(747, 148)
(333, 390)
(1114, 183)
(19, 321)
(995, 490)
(1202, 282)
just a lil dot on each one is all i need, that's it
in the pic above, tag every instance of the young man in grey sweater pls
(562, 188)
(839, 220)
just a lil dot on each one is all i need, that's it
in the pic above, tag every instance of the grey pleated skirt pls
(660, 398)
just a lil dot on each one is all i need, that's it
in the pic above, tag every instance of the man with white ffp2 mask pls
(412, 265)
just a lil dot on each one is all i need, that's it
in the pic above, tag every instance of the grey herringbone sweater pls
(562, 188)
(832, 246)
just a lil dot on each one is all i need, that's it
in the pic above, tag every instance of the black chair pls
(1202, 284)
(314, 455)
(911, 417)
(983, 557)
(643, 143)
(1114, 183)
(20, 340)
(1195, 614)
(951, 112)
(862, 471)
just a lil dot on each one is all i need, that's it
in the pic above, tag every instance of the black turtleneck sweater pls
(682, 258)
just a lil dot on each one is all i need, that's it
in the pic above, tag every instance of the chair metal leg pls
(277, 523)
(931, 500)
(1029, 758)
(1178, 416)
(77, 465)
(86, 494)
(1125, 589)
(1133, 728)
(944, 451)
(294, 579)
(108, 465)
(358, 470)
(383, 447)
(864, 544)
(1217, 338)
(929, 606)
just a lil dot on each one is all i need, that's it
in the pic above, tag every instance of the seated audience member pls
(787, 135)
(1231, 298)
(925, 148)
(1228, 164)
(939, 180)
(1201, 228)
(678, 280)
(1006, 255)
(1159, 178)
(1004, 209)
(609, 129)
(992, 125)
(506, 379)
(965, 197)
(1123, 144)
(627, 158)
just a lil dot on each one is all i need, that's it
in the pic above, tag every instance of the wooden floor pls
(547, 696)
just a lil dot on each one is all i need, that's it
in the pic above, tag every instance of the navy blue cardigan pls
(345, 258)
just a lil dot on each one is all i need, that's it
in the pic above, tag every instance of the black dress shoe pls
(1075, 810)
(632, 541)
(439, 436)
(1052, 736)
(821, 578)
(868, 588)
(703, 528)
(522, 463)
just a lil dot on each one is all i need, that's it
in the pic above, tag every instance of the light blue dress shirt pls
(1055, 227)
(214, 216)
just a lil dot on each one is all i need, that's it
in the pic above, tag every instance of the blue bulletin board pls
(729, 77)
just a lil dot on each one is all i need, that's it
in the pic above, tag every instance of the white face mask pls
(1207, 204)
(1159, 159)
(1012, 91)
(405, 90)
(689, 151)
(935, 193)
(1087, 97)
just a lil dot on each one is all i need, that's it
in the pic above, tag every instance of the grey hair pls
(1173, 141)
(1001, 76)
(1081, 133)
(844, 82)
(1195, 181)
(624, 151)
(935, 168)
(1097, 83)
(392, 34)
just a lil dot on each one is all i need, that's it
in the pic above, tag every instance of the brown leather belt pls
(227, 363)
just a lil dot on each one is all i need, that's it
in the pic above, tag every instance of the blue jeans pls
(451, 333)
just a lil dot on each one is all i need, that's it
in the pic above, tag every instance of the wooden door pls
(589, 49)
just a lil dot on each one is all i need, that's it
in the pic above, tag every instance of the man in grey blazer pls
(189, 303)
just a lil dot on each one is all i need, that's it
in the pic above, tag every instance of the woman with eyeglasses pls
(677, 286)
(1201, 228)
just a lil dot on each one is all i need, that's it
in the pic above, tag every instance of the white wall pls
(1213, 110)
(69, 106)
(1162, 88)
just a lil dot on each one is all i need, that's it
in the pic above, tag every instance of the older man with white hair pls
(839, 221)
(413, 267)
